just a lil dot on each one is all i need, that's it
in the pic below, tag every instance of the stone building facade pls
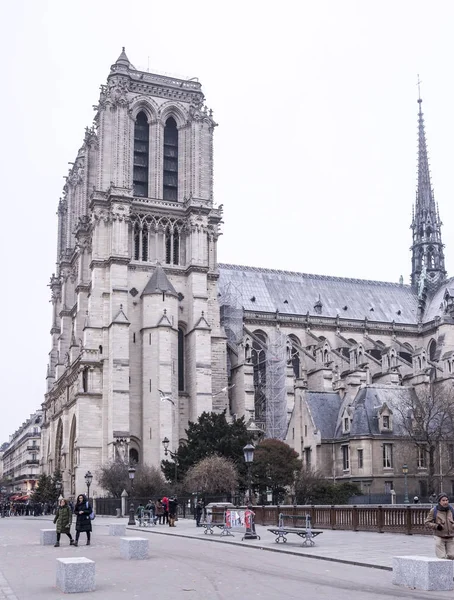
(137, 347)
(149, 330)
(20, 458)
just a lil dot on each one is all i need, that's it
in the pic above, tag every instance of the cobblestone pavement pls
(6, 593)
(188, 564)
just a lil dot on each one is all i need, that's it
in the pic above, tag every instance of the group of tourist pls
(163, 510)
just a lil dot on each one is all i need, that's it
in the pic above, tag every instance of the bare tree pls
(307, 485)
(426, 419)
(148, 481)
(213, 474)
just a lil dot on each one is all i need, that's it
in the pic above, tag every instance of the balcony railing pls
(32, 462)
(35, 448)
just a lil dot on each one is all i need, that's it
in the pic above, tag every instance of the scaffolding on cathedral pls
(231, 309)
(276, 395)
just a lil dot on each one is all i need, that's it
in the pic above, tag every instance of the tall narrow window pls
(387, 456)
(172, 246)
(180, 360)
(360, 458)
(170, 188)
(144, 243)
(141, 155)
(345, 458)
(137, 234)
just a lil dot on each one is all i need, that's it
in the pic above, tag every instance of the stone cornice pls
(112, 260)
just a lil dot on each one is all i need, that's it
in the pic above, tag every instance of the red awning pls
(24, 498)
(13, 498)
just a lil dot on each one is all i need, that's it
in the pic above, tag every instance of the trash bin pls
(118, 512)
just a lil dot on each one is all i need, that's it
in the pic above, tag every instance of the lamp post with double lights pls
(131, 473)
(173, 455)
(405, 472)
(88, 480)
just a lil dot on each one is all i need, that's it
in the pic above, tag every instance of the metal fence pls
(408, 519)
(186, 504)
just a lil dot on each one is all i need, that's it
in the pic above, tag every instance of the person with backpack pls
(62, 520)
(84, 513)
(441, 520)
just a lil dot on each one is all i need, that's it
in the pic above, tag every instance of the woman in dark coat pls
(62, 520)
(83, 511)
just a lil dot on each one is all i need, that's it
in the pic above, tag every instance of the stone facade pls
(149, 330)
(136, 335)
(21, 458)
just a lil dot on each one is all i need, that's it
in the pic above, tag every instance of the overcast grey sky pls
(315, 153)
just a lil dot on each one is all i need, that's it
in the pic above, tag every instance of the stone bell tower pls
(137, 347)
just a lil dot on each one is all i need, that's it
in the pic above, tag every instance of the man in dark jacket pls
(198, 512)
(440, 519)
(173, 507)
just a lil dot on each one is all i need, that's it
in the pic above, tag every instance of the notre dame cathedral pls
(149, 330)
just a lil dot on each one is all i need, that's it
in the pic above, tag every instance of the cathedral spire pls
(428, 262)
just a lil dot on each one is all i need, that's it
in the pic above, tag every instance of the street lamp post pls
(248, 452)
(88, 480)
(59, 488)
(173, 455)
(131, 473)
(405, 472)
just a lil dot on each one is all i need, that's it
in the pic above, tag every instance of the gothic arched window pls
(170, 188)
(432, 350)
(141, 155)
(295, 356)
(172, 241)
(259, 362)
(133, 456)
(180, 360)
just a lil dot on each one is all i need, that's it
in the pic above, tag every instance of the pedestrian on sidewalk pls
(173, 507)
(83, 511)
(441, 520)
(62, 520)
(165, 504)
(159, 511)
(198, 513)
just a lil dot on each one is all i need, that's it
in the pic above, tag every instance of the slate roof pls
(368, 402)
(435, 305)
(324, 408)
(159, 283)
(297, 293)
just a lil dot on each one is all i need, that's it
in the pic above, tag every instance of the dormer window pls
(385, 421)
(346, 424)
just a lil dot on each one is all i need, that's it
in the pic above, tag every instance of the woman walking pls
(83, 511)
(159, 511)
(62, 520)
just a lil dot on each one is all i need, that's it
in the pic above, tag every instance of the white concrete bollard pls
(75, 575)
(423, 573)
(48, 537)
(133, 548)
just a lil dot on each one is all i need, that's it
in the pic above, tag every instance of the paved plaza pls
(186, 563)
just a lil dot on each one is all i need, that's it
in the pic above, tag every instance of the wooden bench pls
(306, 532)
